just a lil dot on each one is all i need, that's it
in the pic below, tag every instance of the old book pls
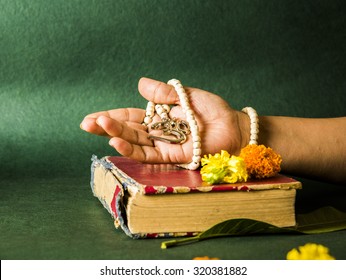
(152, 200)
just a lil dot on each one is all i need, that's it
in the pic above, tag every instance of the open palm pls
(218, 125)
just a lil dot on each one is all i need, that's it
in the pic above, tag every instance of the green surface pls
(60, 219)
(60, 60)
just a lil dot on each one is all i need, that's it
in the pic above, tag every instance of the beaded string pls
(179, 129)
(254, 126)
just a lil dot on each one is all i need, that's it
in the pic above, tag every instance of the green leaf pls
(322, 220)
(325, 219)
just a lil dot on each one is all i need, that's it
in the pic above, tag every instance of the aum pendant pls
(176, 130)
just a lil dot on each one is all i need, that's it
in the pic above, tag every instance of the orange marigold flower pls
(261, 162)
(204, 258)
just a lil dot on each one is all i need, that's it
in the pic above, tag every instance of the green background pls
(60, 60)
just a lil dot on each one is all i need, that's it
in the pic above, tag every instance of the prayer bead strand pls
(254, 126)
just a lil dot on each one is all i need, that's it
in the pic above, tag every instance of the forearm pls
(309, 147)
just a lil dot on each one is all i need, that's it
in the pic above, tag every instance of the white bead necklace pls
(254, 126)
(176, 130)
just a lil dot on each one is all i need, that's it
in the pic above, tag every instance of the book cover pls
(161, 200)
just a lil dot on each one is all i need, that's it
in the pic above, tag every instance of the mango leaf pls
(326, 219)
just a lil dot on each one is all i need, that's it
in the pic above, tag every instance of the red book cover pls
(155, 177)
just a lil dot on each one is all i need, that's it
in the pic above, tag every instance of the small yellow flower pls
(223, 168)
(310, 251)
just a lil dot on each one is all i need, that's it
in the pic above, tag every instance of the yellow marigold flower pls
(223, 168)
(310, 251)
(261, 162)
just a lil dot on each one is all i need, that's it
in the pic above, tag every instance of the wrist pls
(249, 129)
(244, 130)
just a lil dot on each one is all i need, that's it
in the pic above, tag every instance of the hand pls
(220, 127)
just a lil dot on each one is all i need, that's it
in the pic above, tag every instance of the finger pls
(90, 125)
(133, 116)
(122, 114)
(137, 152)
(157, 91)
(137, 126)
(121, 130)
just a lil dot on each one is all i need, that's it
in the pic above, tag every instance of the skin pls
(308, 147)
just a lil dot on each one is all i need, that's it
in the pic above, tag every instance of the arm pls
(309, 147)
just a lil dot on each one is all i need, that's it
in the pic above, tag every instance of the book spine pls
(114, 203)
(113, 199)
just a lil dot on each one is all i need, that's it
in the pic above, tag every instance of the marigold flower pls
(310, 251)
(204, 258)
(223, 168)
(261, 162)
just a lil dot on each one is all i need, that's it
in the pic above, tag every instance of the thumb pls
(157, 92)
